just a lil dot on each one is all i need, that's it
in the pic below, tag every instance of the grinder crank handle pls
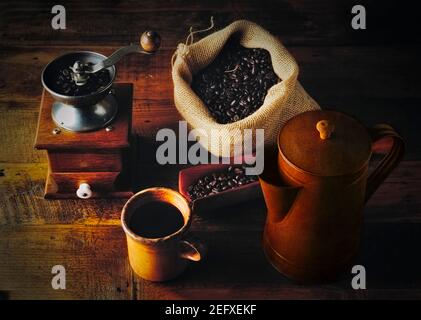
(389, 161)
(149, 43)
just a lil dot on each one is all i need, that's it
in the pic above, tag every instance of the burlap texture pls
(283, 101)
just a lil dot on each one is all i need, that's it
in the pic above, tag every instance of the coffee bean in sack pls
(235, 84)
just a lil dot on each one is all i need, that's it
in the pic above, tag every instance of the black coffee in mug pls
(156, 219)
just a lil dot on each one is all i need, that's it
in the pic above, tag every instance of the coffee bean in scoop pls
(232, 177)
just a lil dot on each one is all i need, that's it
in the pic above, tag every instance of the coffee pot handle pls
(192, 249)
(389, 161)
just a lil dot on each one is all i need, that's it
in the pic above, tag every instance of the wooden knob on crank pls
(150, 41)
(325, 129)
(84, 191)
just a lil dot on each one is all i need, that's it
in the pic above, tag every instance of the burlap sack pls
(283, 101)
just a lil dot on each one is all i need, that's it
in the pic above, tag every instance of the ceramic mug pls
(165, 257)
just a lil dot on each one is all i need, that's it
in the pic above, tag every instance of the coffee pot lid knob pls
(325, 129)
(325, 143)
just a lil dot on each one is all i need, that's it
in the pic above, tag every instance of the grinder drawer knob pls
(84, 191)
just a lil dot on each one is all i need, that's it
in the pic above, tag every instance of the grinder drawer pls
(87, 185)
(86, 161)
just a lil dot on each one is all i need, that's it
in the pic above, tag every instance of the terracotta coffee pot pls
(315, 186)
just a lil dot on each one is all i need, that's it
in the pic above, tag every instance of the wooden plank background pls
(371, 74)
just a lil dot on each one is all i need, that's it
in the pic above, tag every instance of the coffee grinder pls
(85, 123)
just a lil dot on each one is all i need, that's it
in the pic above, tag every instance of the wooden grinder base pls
(99, 158)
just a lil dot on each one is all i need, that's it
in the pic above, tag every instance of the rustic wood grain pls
(372, 75)
(21, 190)
(17, 136)
(355, 80)
(387, 254)
(357, 69)
(325, 22)
(78, 160)
(94, 258)
(103, 185)
(21, 201)
(97, 267)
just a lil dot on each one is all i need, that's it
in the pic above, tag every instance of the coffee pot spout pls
(279, 200)
(279, 196)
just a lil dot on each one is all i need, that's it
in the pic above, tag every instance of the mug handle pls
(192, 249)
(389, 161)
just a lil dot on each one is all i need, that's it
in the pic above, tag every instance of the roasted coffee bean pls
(214, 183)
(235, 84)
(64, 83)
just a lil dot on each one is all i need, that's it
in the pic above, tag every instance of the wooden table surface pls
(372, 74)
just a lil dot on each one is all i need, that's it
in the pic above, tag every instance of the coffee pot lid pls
(325, 143)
